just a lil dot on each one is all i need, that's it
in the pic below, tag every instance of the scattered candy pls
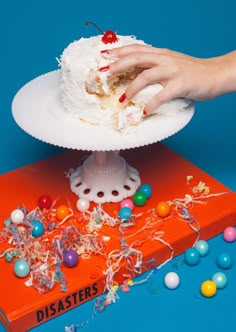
(224, 261)
(208, 288)
(125, 213)
(229, 234)
(70, 258)
(83, 204)
(146, 189)
(220, 280)
(17, 216)
(44, 202)
(127, 203)
(140, 198)
(21, 268)
(191, 256)
(171, 280)
(163, 209)
(38, 228)
(202, 247)
(62, 212)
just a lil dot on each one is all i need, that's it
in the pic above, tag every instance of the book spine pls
(20, 322)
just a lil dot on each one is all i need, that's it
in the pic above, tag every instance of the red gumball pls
(44, 202)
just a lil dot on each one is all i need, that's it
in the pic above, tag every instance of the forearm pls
(226, 73)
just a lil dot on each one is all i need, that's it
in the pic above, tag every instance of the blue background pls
(33, 33)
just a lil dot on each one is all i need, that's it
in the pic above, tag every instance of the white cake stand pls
(104, 176)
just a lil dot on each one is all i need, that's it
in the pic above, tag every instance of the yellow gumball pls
(208, 288)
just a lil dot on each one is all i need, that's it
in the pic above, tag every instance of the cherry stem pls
(87, 23)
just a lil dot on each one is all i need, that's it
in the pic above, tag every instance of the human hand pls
(181, 75)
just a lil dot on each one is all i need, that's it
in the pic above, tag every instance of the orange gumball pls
(62, 212)
(163, 209)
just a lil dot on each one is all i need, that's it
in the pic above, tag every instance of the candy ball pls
(202, 247)
(146, 189)
(83, 204)
(127, 203)
(21, 268)
(208, 288)
(140, 198)
(38, 228)
(70, 258)
(171, 280)
(163, 209)
(62, 212)
(220, 279)
(224, 261)
(229, 234)
(191, 256)
(125, 213)
(17, 216)
(44, 202)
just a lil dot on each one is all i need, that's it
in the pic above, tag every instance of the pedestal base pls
(104, 177)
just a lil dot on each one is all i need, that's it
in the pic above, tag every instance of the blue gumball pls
(125, 213)
(224, 261)
(192, 256)
(146, 189)
(38, 228)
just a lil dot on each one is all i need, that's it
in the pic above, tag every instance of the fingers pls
(140, 60)
(147, 77)
(169, 92)
(139, 48)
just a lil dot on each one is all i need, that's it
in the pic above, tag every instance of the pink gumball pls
(229, 234)
(127, 203)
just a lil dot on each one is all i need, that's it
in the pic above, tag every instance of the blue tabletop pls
(33, 34)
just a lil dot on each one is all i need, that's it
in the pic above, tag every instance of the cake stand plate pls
(105, 177)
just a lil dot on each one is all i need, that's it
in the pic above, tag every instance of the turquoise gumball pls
(125, 213)
(191, 256)
(220, 280)
(21, 268)
(146, 189)
(202, 247)
(38, 228)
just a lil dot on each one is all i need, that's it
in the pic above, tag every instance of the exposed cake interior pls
(109, 88)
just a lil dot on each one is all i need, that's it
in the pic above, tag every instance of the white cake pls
(93, 96)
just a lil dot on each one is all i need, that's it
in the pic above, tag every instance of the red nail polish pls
(103, 69)
(122, 98)
(144, 112)
(106, 52)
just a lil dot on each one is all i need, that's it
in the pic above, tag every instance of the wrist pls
(225, 73)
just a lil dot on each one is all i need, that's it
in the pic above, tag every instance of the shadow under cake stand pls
(104, 176)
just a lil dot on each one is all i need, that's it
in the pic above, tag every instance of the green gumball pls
(140, 198)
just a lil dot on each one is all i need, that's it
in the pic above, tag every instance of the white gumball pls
(171, 280)
(17, 216)
(83, 204)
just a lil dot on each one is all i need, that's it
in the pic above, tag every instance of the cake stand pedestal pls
(104, 176)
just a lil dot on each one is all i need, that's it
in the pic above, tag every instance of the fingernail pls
(103, 69)
(122, 98)
(145, 112)
(108, 52)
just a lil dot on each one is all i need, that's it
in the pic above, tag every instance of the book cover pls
(153, 239)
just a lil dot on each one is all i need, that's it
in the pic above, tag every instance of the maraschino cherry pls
(109, 36)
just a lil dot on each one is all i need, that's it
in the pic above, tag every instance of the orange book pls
(165, 171)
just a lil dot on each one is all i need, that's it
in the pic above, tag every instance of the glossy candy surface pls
(21, 268)
(191, 256)
(70, 258)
